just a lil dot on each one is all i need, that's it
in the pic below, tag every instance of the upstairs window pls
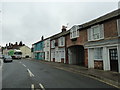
(53, 44)
(96, 33)
(74, 32)
(118, 26)
(61, 41)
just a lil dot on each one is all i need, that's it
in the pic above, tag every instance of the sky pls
(27, 21)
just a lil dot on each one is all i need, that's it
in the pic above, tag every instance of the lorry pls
(15, 54)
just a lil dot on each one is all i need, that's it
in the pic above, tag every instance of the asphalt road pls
(32, 74)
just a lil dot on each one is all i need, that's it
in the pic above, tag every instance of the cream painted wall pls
(25, 51)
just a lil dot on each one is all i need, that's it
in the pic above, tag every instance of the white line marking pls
(24, 65)
(31, 74)
(32, 86)
(41, 86)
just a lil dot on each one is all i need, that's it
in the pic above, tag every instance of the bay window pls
(74, 32)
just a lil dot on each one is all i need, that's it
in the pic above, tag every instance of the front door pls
(113, 59)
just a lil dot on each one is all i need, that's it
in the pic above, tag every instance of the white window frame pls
(53, 44)
(60, 40)
(118, 26)
(98, 53)
(74, 32)
(90, 32)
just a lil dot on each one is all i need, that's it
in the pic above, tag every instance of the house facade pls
(103, 42)
(26, 51)
(38, 50)
(58, 47)
(75, 40)
(47, 49)
(95, 44)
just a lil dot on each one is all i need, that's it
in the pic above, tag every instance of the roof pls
(108, 16)
(113, 14)
(59, 34)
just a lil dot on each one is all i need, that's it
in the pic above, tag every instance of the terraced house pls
(103, 35)
(46, 49)
(58, 46)
(95, 44)
(38, 50)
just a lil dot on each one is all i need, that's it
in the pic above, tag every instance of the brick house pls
(102, 44)
(95, 44)
(75, 40)
(58, 46)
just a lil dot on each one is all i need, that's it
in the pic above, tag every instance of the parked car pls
(7, 58)
(1, 56)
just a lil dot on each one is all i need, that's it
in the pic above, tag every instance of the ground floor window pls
(98, 53)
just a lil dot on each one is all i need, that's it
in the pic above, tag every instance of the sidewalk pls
(109, 77)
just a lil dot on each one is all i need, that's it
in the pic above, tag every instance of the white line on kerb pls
(31, 75)
(32, 86)
(41, 86)
(24, 65)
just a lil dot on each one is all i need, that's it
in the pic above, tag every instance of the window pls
(62, 54)
(53, 44)
(53, 54)
(47, 55)
(47, 43)
(95, 33)
(74, 32)
(118, 26)
(98, 53)
(61, 41)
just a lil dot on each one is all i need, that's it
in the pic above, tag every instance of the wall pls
(26, 51)
(47, 49)
(110, 29)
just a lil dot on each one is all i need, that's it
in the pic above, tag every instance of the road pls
(32, 74)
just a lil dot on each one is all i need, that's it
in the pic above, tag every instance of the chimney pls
(16, 43)
(42, 38)
(64, 28)
(6, 45)
(9, 44)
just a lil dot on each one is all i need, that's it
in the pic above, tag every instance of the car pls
(1, 56)
(7, 58)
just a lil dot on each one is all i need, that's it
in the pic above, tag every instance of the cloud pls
(29, 21)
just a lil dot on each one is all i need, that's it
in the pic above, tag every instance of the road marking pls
(31, 74)
(41, 86)
(32, 86)
(24, 65)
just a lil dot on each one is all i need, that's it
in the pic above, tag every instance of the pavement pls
(108, 77)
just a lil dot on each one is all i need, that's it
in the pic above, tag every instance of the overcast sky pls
(28, 21)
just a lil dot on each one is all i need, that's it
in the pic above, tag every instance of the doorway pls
(113, 59)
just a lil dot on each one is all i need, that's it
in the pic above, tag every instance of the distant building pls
(26, 51)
